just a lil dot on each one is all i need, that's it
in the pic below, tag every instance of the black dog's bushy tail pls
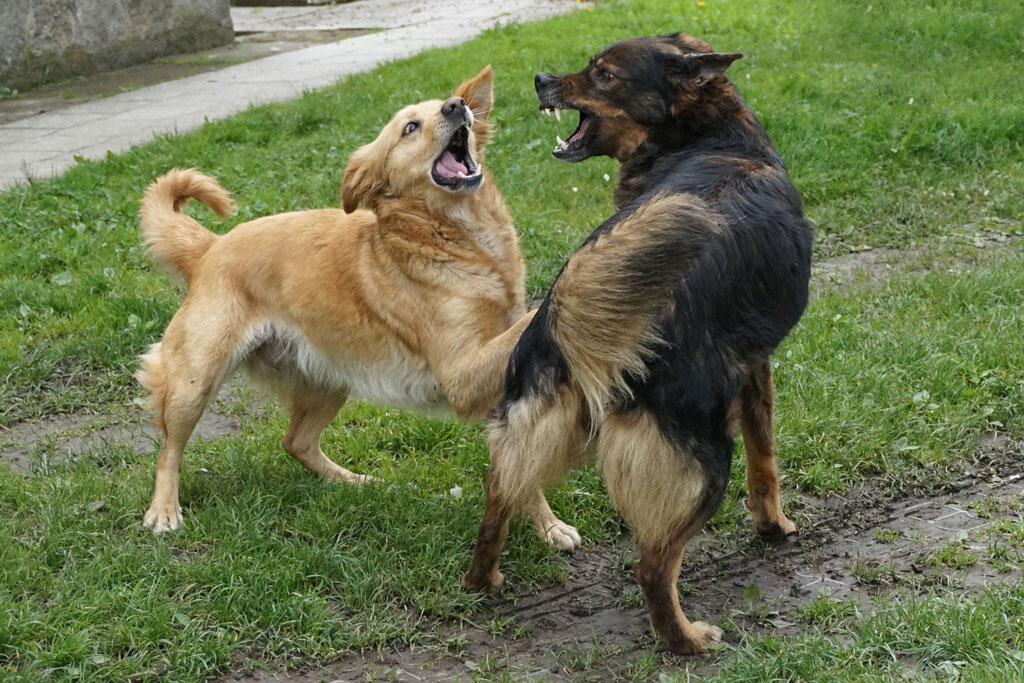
(604, 302)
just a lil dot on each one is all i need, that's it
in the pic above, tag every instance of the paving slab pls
(47, 143)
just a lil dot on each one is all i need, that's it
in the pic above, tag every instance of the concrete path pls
(379, 15)
(46, 144)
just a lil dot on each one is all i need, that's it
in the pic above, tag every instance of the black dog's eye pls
(604, 76)
(410, 127)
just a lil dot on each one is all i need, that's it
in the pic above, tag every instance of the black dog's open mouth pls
(573, 149)
(455, 168)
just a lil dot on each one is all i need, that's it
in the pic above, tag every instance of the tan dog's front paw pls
(703, 636)
(343, 476)
(163, 517)
(562, 536)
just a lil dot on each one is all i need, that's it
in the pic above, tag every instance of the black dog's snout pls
(543, 79)
(454, 105)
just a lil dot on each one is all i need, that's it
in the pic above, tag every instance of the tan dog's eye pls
(410, 127)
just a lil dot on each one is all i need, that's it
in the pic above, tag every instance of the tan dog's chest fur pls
(415, 301)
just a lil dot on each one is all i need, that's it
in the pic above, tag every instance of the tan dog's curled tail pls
(176, 240)
(604, 304)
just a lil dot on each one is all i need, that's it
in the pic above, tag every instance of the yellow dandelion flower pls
(702, 4)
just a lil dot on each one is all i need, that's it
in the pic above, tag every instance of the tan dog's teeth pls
(558, 114)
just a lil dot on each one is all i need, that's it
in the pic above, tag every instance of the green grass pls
(932, 637)
(890, 383)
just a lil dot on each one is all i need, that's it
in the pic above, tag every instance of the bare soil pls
(970, 245)
(857, 546)
(54, 439)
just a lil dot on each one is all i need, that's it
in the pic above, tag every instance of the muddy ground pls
(30, 446)
(857, 546)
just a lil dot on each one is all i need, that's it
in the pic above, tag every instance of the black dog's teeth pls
(561, 145)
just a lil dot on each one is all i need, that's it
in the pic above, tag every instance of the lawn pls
(902, 124)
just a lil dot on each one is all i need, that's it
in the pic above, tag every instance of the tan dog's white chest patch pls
(282, 349)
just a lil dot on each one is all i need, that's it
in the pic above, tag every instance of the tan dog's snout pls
(456, 111)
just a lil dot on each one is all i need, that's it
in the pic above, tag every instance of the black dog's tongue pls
(581, 131)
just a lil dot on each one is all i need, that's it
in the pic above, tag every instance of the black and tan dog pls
(650, 353)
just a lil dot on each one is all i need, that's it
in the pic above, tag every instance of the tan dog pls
(415, 302)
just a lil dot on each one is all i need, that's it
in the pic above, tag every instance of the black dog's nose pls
(543, 79)
(453, 105)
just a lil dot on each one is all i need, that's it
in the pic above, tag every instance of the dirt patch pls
(970, 245)
(55, 439)
(851, 547)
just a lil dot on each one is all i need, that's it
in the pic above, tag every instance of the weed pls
(875, 572)
(887, 535)
(954, 554)
(827, 612)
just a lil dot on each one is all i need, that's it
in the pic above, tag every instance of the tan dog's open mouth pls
(455, 168)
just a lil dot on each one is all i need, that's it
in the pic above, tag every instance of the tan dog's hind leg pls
(183, 372)
(659, 489)
(312, 411)
(553, 530)
(756, 406)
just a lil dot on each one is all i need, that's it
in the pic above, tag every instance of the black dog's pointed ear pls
(690, 43)
(700, 67)
(703, 66)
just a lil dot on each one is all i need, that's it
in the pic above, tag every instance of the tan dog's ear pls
(479, 93)
(363, 180)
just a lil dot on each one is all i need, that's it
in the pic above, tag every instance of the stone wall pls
(48, 40)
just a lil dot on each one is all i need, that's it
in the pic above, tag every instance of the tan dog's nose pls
(454, 107)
